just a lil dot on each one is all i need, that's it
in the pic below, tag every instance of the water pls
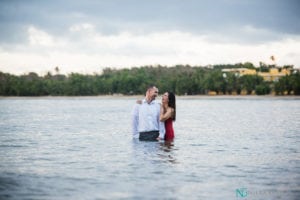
(81, 148)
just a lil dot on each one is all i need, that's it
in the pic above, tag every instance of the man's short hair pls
(151, 87)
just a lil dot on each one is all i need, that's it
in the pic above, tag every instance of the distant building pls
(274, 74)
(240, 71)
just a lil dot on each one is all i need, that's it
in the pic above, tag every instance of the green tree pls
(295, 82)
(215, 81)
(249, 82)
(262, 89)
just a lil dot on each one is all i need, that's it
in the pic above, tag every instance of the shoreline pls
(142, 96)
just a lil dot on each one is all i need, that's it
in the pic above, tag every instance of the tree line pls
(181, 79)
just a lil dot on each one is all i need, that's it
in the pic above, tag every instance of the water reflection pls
(167, 146)
(168, 151)
(162, 151)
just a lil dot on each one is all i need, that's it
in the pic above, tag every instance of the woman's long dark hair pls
(172, 103)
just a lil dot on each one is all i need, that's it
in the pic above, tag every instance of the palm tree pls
(57, 70)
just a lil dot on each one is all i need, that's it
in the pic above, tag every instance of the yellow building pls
(240, 71)
(274, 74)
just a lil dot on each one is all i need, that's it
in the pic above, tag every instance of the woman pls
(168, 114)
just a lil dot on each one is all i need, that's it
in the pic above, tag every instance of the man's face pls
(153, 93)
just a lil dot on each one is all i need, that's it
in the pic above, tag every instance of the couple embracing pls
(152, 121)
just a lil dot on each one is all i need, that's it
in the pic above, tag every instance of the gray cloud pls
(111, 16)
(35, 34)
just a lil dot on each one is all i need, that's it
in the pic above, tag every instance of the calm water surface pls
(81, 148)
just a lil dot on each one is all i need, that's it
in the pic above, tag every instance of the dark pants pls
(149, 136)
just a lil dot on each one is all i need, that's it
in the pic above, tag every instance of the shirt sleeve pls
(162, 130)
(135, 121)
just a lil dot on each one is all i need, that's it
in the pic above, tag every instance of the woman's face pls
(165, 98)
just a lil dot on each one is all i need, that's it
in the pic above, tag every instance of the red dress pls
(169, 129)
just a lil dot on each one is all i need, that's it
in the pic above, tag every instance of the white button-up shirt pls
(145, 117)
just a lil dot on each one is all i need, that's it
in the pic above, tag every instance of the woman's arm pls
(165, 115)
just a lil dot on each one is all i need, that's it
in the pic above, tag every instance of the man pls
(145, 120)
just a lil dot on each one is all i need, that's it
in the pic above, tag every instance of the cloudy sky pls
(86, 36)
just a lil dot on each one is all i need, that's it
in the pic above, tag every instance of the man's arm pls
(161, 125)
(162, 130)
(135, 121)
